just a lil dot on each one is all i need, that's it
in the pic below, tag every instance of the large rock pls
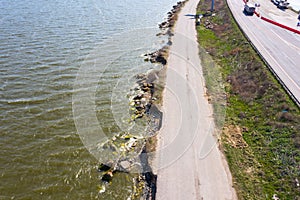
(125, 164)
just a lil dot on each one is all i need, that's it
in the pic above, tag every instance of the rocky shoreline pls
(159, 56)
(142, 104)
(166, 27)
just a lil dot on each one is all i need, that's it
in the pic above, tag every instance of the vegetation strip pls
(260, 137)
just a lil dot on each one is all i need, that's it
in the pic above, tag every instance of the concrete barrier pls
(280, 25)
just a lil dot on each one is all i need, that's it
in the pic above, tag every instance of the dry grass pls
(233, 136)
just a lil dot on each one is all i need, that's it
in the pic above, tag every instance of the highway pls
(279, 47)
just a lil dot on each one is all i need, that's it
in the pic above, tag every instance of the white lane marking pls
(241, 21)
(262, 46)
(288, 43)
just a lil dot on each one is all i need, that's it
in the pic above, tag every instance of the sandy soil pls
(188, 163)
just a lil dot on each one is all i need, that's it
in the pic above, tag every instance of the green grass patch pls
(266, 160)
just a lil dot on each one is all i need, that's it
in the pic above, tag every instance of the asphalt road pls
(278, 46)
(188, 163)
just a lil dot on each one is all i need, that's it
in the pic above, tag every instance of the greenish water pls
(44, 46)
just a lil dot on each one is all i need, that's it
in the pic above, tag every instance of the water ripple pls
(43, 46)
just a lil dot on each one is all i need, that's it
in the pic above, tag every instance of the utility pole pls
(212, 5)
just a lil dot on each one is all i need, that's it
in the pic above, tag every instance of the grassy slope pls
(266, 160)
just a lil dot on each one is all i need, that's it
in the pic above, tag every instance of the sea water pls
(44, 47)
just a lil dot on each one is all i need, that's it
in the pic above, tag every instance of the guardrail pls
(280, 25)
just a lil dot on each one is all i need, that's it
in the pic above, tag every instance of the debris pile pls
(208, 24)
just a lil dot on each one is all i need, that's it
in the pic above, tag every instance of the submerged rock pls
(103, 167)
(107, 177)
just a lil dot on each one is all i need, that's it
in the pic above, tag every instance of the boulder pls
(103, 167)
(107, 177)
(125, 164)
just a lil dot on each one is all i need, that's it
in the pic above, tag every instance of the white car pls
(249, 9)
